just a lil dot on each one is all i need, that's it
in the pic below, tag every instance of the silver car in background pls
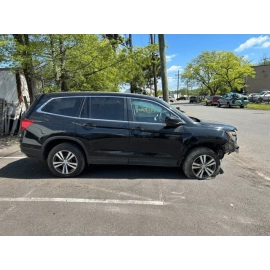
(262, 97)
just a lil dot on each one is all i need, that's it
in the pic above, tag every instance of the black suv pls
(70, 130)
(193, 99)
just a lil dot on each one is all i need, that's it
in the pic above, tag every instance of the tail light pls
(26, 123)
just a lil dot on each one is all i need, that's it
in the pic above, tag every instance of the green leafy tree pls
(218, 72)
(137, 70)
(232, 70)
(77, 62)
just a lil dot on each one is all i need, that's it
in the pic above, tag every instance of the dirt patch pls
(7, 141)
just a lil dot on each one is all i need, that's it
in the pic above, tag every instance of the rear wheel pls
(66, 160)
(201, 163)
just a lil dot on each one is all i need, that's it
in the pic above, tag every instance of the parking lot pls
(137, 200)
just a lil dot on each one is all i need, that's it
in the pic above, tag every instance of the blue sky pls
(182, 48)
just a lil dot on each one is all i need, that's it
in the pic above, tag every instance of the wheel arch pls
(216, 148)
(52, 142)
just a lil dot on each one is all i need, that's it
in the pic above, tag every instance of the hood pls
(214, 124)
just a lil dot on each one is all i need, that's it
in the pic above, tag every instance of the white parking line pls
(81, 201)
(13, 157)
(263, 176)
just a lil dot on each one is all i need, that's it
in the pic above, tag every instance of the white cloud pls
(174, 69)
(169, 57)
(259, 42)
(266, 44)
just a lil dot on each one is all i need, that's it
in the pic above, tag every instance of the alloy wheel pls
(204, 166)
(65, 162)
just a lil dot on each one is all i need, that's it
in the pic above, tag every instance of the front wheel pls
(201, 163)
(66, 160)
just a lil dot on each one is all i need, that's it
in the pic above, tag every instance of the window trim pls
(39, 110)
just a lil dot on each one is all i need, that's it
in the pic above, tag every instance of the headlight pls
(232, 135)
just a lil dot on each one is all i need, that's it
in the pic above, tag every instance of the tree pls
(65, 62)
(77, 62)
(264, 61)
(137, 67)
(232, 70)
(218, 72)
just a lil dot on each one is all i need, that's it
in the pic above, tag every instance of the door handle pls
(138, 129)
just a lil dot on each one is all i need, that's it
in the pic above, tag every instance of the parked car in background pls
(181, 98)
(262, 97)
(212, 100)
(263, 90)
(171, 99)
(251, 97)
(233, 99)
(71, 130)
(193, 99)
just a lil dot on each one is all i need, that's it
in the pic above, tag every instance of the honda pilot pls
(73, 130)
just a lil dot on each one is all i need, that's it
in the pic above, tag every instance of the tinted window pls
(64, 106)
(107, 108)
(147, 111)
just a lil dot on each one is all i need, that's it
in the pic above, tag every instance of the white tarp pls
(8, 88)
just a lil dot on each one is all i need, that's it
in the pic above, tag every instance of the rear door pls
(103, 129)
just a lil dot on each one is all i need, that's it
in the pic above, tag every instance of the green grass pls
(254, 106)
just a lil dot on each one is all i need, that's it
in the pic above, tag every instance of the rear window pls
(104, 108)
(107, 108)
(64, 106)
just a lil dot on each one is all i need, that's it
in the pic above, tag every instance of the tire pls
(241, 106)
(206, 104)
(228, 105)
(66, 160)
(218, 104)
(201, 163)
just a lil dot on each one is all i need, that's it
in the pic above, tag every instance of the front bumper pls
(230, 146)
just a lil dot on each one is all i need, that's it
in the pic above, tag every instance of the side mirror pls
(178, 108)
(173, 122)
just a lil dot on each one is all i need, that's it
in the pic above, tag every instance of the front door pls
(151, 141)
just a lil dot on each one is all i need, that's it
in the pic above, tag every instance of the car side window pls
(147, 111)
(64, 106)
(107, 108)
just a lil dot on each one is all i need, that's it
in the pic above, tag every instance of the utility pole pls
(154, 67)
(163, 67)
(177, 84)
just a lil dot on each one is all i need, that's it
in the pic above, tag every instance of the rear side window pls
(104, 108)
(64, 106)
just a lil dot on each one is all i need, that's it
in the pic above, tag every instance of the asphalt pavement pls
(138, 200)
